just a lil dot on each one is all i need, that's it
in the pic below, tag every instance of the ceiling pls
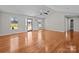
(31, 10)
(34, 10)
(65, 8)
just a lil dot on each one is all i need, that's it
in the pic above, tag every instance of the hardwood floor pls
(41, 41)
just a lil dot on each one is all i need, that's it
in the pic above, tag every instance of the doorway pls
(70, 34)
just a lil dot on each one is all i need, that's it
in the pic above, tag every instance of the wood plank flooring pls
(41, 41)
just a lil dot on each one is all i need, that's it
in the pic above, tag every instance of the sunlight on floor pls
(26, 41)
(14, 43)
(29, 38)
(40, 38)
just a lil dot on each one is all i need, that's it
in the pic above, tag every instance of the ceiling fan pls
(44, 12)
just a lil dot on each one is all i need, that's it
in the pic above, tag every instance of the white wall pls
(5, 23)
(0, 24)
(5, 20)
(55, 22)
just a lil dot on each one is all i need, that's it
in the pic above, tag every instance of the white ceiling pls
(31, 10)
(65, 8)
(34, 10)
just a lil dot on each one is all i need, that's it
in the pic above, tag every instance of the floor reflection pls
(26, 41)
(70, 44)
(40, 38)
(14, 43)
(29, 38)
(72, 48)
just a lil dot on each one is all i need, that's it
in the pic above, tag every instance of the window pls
(40, 24)
(14, 23)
